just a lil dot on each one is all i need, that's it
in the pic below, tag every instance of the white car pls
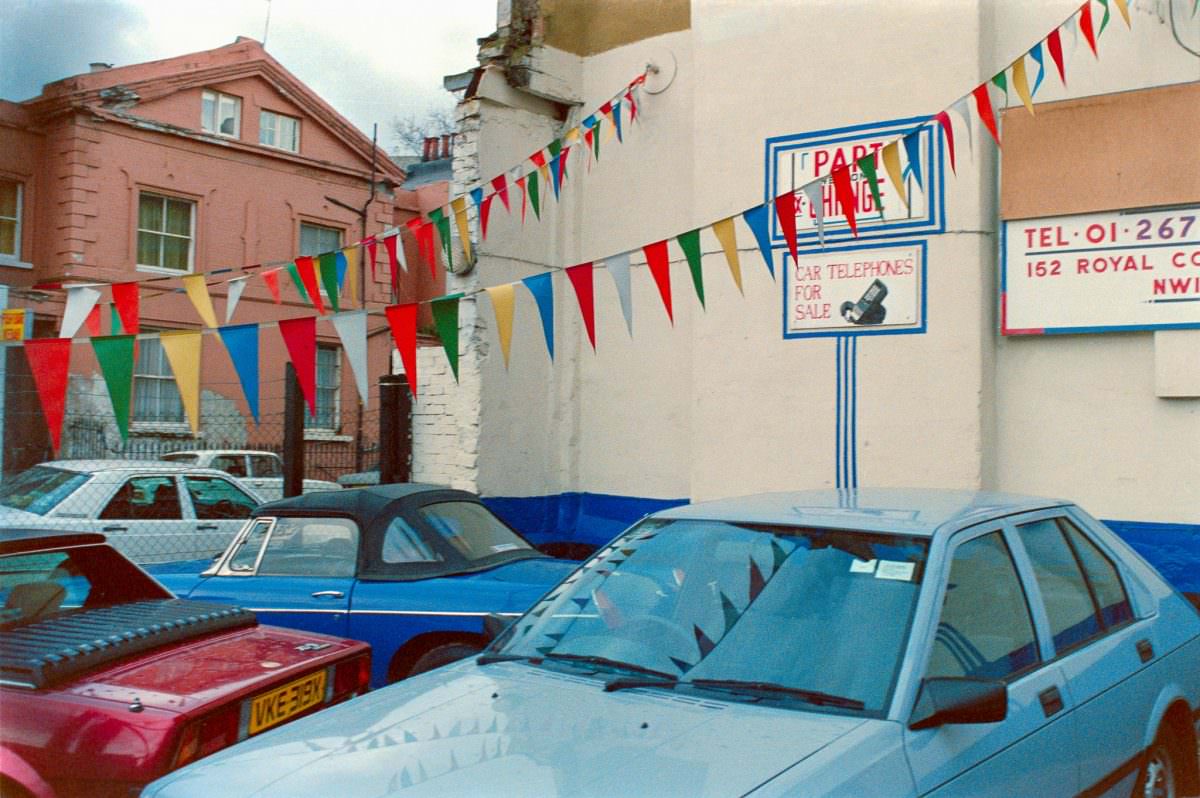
(261, 470)
(150, 511)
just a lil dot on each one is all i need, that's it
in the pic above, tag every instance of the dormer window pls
(221, 114)
(278, 130)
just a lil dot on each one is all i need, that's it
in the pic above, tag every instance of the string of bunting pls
(49, 358)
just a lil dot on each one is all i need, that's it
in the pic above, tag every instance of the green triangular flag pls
(442, 222)
(555, 148)
(1107, 14)
(866, 165)
(445, 317)
(596, 139)
(295, 273)
(532, 183)
(1001, 82)
(329, 279)
(115, 355)
(116, 319)
(690, 244)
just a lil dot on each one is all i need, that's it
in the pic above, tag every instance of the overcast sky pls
(372, 60)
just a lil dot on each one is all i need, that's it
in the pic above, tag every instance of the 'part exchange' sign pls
(848, 290)
(1101, 272)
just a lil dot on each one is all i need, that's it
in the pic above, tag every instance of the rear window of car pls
(40, 489)
(181, 457)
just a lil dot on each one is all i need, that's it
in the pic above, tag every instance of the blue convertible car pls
(411, 569)
(858, 643)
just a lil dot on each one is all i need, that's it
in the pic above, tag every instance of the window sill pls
(326, 435)
(12, 262)
(161, 270)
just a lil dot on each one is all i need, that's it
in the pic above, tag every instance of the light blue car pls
(869, 643)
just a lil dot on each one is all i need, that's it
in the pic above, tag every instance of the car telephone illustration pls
(869, 308)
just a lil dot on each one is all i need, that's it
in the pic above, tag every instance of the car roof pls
(96, 466)
(221, 452)
(362, 503)
(913, 511)
(15, 540)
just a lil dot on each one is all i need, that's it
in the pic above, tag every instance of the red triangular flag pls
(983, 103)
(1085, 25)
(92, 322)
(308, 275)
(785, 209)
(485, 208)
(606, 109)
(524, 194)
(389, 243)
(944, 120)
(500, 186)
(587, 140)
(271, 278)
(660, 266)
(125, 297)
(49, 361)
(403, 321)
(632, 105)
(845, 195)
(427, 246)
(539, 160)
(1054, 45)
(581, 279)
(372, 247)
(562, 165)
(300, 338)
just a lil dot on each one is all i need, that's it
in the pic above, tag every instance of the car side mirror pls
(947, 700)
(494, 625)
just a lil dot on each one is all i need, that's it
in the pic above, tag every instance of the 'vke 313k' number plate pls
(273, 708)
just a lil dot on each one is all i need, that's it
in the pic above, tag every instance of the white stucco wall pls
(719, 403)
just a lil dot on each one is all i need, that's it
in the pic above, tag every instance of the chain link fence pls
(161, 493)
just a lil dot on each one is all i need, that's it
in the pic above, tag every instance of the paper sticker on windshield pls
(858, 566)
(505, 547)
(892, 569)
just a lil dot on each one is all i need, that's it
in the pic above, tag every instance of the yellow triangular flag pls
(611, 132)
(571, 136)
(183, 353)
(1124, 12)
(502, 304)
(728, 238)
(197, 291)
(350, 292)
(1021, 84)
(464, 231)
(891, 162)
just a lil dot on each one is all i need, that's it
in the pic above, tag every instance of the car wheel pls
(1158, 774)
(442, 655)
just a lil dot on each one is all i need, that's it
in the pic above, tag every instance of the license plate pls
(271, 709)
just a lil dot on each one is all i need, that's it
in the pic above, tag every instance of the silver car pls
(262, 471)
(150, 511)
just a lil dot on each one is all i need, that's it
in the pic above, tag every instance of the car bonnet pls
(508, 729)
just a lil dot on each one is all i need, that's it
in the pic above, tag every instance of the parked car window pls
(1102, 576)
(472, 529)
(141, 498)
(215, 499)
(246, 555)
(232, 464)
(985, 629)
(1074, 618)
(401, 543)
(265, 465)
(39, 489)
(311, 547)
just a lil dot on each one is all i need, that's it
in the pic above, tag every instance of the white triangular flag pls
(813, 192)
(618, 267)
(80, 301)
(962, 110)
(352, 329)
(236, 287)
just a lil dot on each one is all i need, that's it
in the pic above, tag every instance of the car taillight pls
(208, 735)
(352, 676)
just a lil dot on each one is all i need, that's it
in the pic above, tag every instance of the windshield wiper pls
(605, 662)
(808, 696)
(487, 659)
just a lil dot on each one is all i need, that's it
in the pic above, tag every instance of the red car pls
(107, 681)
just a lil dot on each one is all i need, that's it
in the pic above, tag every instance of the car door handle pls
(114, 529)
(1145, 650)
(329, 594)
(1052, 702)
(207, 527)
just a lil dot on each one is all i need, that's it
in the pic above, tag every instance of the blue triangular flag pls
(555, 168)
(589, 121)
(341, 270)
(617, 119)
(477, 196)
(543, 293)
(912, 148)
(759, 219)
(241, 341)
(1036, 54)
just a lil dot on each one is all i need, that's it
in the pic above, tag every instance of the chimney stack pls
(99, 66)
(446, 139)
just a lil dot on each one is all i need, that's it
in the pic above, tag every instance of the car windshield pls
(823, 613)
(38, 585)
(40, 489)
(472, 530)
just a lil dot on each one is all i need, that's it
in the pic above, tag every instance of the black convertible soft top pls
(365, 504)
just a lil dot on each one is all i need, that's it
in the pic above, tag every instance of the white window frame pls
(141, 425)
(191, 237)
(311, 428)
(302, 249)
(14, 258)
(269, 121)
(215, 127)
